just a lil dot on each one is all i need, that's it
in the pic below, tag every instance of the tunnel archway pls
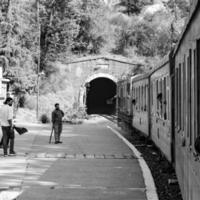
(100, 96)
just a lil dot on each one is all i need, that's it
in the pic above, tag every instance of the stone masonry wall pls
(81, 70)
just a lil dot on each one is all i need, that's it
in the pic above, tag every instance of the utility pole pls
(38, 64)
(129, 8)
(173, 23)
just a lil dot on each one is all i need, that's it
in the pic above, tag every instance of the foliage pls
(70, 26)
(131, 7)
(45, 34)
(151, 30)
(18, 45)
(44, 119)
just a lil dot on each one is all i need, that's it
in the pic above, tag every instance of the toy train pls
(164, 105)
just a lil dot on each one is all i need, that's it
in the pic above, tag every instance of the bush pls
(44, 119)
(75, 113)
(21, 101)
(30, 102)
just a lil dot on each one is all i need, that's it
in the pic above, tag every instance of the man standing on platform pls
(57, 116)
(6, 118)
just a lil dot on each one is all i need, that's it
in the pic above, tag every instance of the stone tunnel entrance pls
(100, 97)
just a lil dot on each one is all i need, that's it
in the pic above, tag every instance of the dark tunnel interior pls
(100, 93)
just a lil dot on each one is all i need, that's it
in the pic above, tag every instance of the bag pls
(20, 130)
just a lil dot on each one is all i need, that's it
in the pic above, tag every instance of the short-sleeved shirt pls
(6, 113)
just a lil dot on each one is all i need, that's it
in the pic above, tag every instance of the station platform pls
(94, 162)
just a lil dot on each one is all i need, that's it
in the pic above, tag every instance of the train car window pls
(160, 102)
(179, 97)
(152, 92)
(136, 98)
(120, 96)
(164, 98)
(181, 102)
(184, 94)
(123, 97)
(167, 98)
(195, 94)
(176, 96)
(145, 97)
(128, 88)
(142, 98)
(118, 88)
(157, 102)
(137, 93)
(190, 96)
(198, 86)
(139, 99)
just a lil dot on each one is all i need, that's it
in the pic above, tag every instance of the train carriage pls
(140, 103)
(165, 105)
(160, 108)
(187, 106)
(124, 111)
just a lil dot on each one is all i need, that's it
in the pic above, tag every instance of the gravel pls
(162, 171)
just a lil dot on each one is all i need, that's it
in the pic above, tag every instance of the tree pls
(69, 27)
(18, 44)
(131, 7)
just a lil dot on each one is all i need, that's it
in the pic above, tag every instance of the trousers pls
(8, 135)
(57, 130)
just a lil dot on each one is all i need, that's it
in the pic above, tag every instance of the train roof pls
(123, 80)
(187, 25)
(139, 77)
(162, 63)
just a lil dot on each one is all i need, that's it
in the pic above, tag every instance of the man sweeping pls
(56, 118)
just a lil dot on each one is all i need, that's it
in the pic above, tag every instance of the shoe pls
(12, 153)
(5, 155)
(60, 142)
(57, 142)
(1, 146)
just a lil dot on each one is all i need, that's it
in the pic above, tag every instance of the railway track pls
(112, 118)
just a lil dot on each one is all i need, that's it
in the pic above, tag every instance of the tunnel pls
(100, 97)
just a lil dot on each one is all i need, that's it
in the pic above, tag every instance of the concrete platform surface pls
(91, 163)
